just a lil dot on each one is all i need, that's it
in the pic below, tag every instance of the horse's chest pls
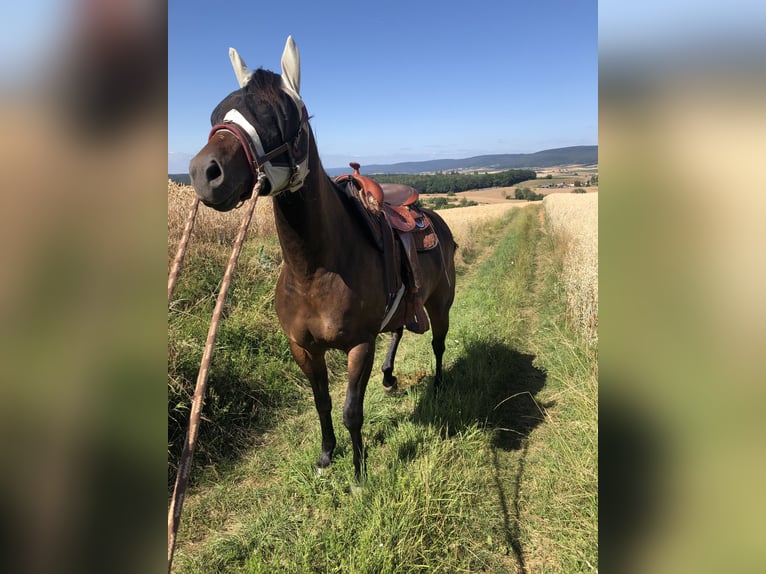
(325, 310)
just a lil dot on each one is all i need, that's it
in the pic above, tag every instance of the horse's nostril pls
(213, 171)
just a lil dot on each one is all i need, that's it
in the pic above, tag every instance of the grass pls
(252, 373)
(496, 474)
(476, 230)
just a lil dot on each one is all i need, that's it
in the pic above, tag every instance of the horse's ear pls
(240, 68)
(291, 66)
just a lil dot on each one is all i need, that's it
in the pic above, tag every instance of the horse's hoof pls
(392, 387)
(323, 462)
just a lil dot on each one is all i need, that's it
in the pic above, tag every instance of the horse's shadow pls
(493, 386)
(490, 385)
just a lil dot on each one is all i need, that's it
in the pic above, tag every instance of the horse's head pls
(259, 132)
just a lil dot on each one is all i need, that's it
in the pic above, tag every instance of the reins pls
(184, 466)
(182, 244)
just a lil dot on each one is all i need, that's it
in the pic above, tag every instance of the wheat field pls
(213, 226)
(573, 219)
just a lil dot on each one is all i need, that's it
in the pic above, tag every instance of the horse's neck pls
(309, 221)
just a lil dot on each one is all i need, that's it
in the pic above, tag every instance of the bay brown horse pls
(330, 292)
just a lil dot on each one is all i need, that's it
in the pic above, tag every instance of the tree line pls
(446, 182)
(452, 182)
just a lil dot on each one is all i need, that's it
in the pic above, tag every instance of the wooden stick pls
(184, 467)
(181, 252)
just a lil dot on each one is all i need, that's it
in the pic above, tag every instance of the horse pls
(330, 292)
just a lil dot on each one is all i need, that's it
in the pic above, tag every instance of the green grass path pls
(498, 473)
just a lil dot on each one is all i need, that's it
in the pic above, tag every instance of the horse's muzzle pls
(209, 182)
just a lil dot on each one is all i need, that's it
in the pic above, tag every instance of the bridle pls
(281, 178)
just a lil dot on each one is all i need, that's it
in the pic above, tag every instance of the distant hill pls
(578, 155)
(575, 155)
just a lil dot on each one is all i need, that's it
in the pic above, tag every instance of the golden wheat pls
(212, 226)
(573, 220)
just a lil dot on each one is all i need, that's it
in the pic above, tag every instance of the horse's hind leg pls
(315, 369)
(438, 313)
(389, 380)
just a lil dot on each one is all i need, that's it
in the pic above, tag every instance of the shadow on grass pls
(249, 385)
(490, 385)
(493, 386)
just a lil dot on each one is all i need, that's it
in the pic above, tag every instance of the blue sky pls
(398, 81)
(657, 26)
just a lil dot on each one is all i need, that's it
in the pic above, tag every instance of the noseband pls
(259, 161)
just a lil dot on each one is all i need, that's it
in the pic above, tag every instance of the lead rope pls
(184, 466)
(181, 253)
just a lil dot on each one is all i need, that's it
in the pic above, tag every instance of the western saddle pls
(393, 219)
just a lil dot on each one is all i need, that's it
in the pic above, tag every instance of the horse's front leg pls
(360, 359)
(314, 367)
(389, 380)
